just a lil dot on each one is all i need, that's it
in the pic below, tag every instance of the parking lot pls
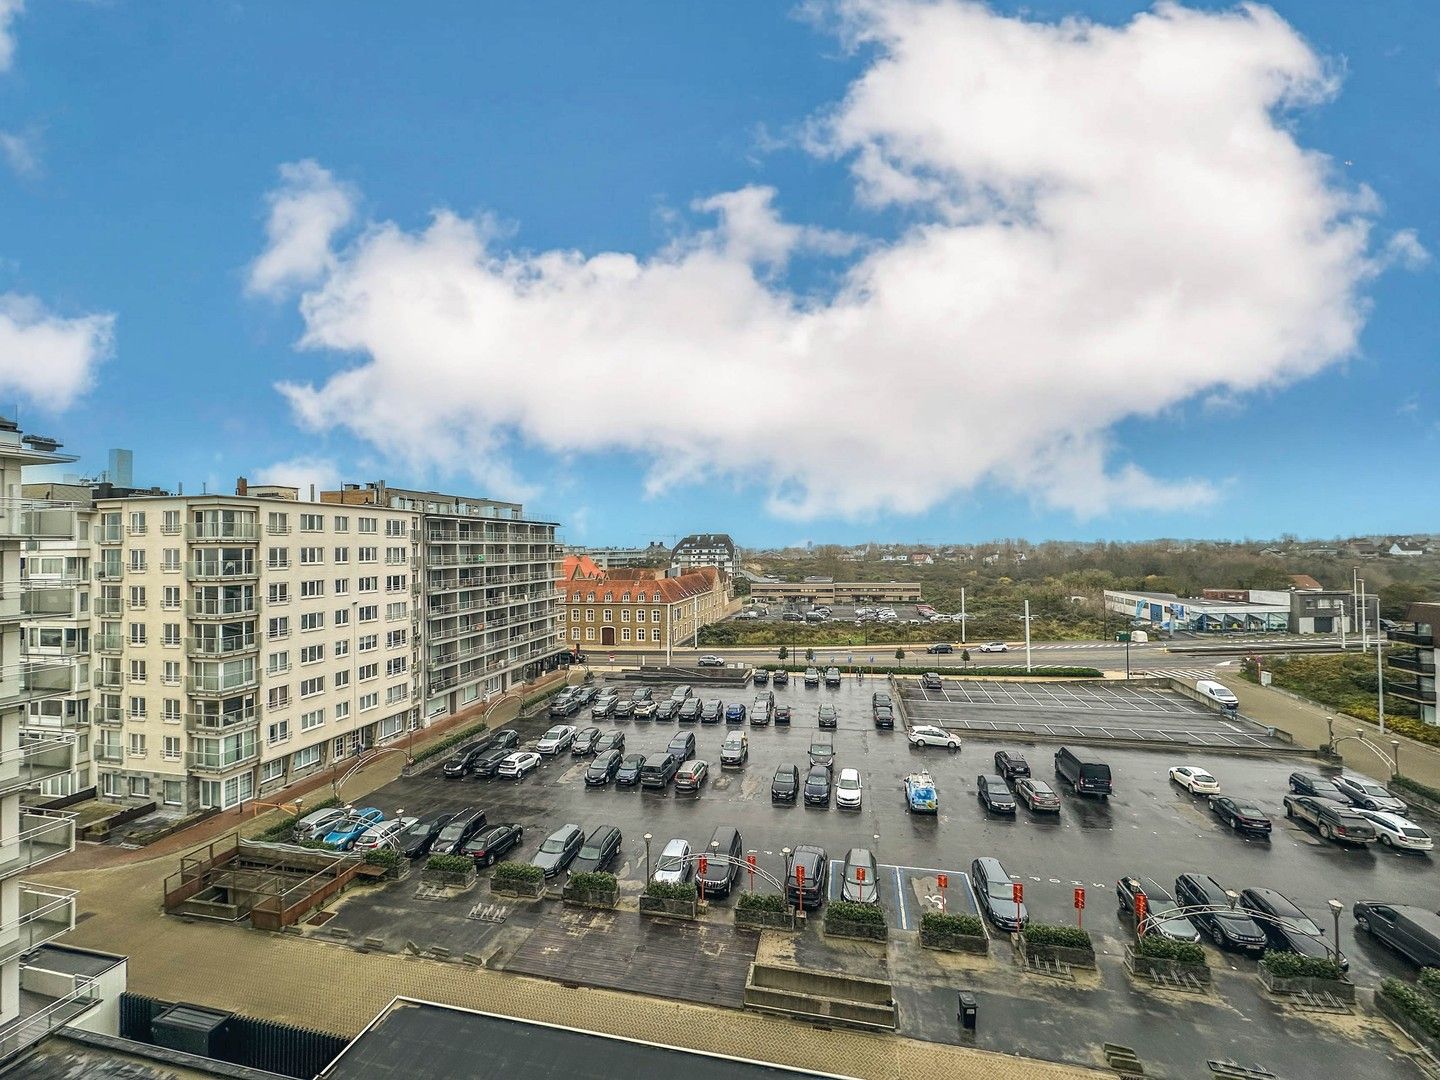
(1148, 827)
(838, 612)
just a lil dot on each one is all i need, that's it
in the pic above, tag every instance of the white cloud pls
(46, 357)
(21, 152)
(306, 212)
(301, 472)
(9, 11)
(1107, 222)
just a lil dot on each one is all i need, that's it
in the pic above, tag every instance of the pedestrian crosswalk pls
(1180, 673)
(1072, 645)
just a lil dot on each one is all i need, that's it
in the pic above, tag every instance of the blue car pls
(348, 829)
(735, 714)
(920, 794)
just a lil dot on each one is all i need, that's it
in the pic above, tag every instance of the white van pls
(1218, 693)
(1139, 637)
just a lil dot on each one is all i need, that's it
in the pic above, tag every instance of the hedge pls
(932, 922)
(1413, 1004)
(1289, 965)
(1430, 980)
(952, 672)
(1065, 937)
(386, 857)
(843, 911)
(597, 882)
(671, 890)
(450, 864)
(1404, 783)
(752, 901)
(286, 825)
(1163, 948)
(449, 742)
(516, 873)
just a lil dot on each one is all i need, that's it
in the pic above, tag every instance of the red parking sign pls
(860, 874)
(1079, 899)
(1017, 892)
(943, 880)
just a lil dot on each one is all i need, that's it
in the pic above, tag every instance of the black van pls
(723, 863)
(658, 770)
(1085, 777)
(1413, 932)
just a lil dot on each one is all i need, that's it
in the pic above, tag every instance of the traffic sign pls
(1141, 906)
(943, 881)
(1017, 892)
(1079, 899)
(860, 874)
(704, 864)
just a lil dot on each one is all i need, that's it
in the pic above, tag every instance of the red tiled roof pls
(668, 590)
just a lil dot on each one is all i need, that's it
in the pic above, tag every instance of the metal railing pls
(46, 912)
(28, 1030)
(44, 835)
(205, 645)
(213, 531)
(220, 761)
(223, 723)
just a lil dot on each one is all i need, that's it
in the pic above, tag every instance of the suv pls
(682, 746)
(761, 709)
(822, 752)
(604, 703)
(1084, 777)
(832, 676)
(598, 851)
(457, 830)
(930, 680)
(1230, 928)
(828, 716)
(995, 890)
(722, 866)
(812, 677)
(713, 711)
(1332, 821)
(1410, 931)
(564, 704)
(1011, 766)
(734, 751)
(941, 647)
(806, 880)
(1304, 783)
(658, 770)
(1162, 914)
(884, 717)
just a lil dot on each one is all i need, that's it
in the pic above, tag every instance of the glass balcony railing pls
(106, 679)
(216, 684)
(215, 531)
(237, 570)
(206, 645)
(108, 643)
(107, 605)
(111, 753)
(41, 1014)
(110, 716)
(219, 761)
(212, 723)
(35, 760)
(28, 682)
(221, 609)
(45, 913)
(43, 835)
(38, 519)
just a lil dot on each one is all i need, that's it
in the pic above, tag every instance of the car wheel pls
(1363, 922)
(920, 742)
(1289, 811)
(1385, 840)
(952, 746)
(1326, 832)
(1217, 937)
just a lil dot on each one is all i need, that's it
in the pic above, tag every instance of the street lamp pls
(1233, 897)
(648, 838)
(1395, 756)
(798, 898)
(1335, 908)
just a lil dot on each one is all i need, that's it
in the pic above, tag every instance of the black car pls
(817, 786)
(807, 878)
(1011, 766)
(611, 740)
(996, 894)
(822, 752)
(780, 678)
(486, 846)
(879, 698)
(1230, 928)
(930, 681)
(624, 709)
(463, 763)
(566, 703)
(416, 840)
(713, 711)
(602, 768)
(488, 763)
(689, 711)
(1413, 932)
(828, 716)
(504, 739)
(598, 851)
(585, 740)
(628, 775)
(832, 676)
(726, 857)
(993, 794)
(786, 785)
(1303, 783)
(1240, 816)
(667, 709)
(1287, 927)
(682, 746)
(457, 831)
(1162, 914)
(941, 647)
(782, 714)
(586, 694)
(559, 850)
(658, 770)
(884, 717)
(761, 677)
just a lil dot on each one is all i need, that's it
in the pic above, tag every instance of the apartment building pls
(31, 914)
(488, 604)
(638, 610)
(244, 641)
(1412, 654)
(707, 549)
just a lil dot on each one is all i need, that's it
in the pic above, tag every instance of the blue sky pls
(141, 190)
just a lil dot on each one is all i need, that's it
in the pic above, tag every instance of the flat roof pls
(452, 1042)
(1195, 603)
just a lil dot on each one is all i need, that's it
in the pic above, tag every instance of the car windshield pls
(849, 783)
(1301, 925)
(1001, 890)
(590, 851)
(452, 832)
(820, 748)
(554, 733)
(553, 845)
(670, 862)
(1371, 789)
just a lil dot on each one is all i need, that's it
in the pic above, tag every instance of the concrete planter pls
(523, 890)
(979, 944)
(764, 920)
(448, 879)
(1341, 989)
(591, 898)
(1076, 958)
(1397, 1016)
(1153, 967)
(663, 908)
(858, 931)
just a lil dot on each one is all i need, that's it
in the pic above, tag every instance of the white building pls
(707, 549)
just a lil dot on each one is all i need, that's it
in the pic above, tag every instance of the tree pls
(965, 655)
(809, 654)
(899, 654)
(784, 652)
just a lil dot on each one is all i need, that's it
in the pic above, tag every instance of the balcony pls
(110, 753)
(223, 723)
(42, 596)
(222, 571)
(43, 835)
(1411, 663)
(220, 761)
(106, 679)
(42, 1012)
(108, 643)
(220, 686)
(109, 534)
(216, 647)
(1411, 692)
(45, 913)
(109, 571)
(30, 682)
(214, 532)
(221, 609)
(34, 761)
(107, 605)
(1413, 637)
(107, 716)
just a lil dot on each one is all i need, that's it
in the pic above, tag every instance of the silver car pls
(674, 865)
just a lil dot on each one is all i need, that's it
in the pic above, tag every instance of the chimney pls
(242, 487)
(312, 492)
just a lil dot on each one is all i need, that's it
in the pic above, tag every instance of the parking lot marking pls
(900, 891)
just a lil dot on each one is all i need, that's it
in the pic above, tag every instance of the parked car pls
(682, 746)
(689, 711)
(586, 694)
(415, 841)
(681, 692)
(930, 681)
(760, 676)
(565, 703)
(624, 709)
(604, 703)
(713, 711)
(556, 740)
(487, 845)
(920, 794)
(735, 750)
(462, 763)
(1010, 766)
(691, 775)
(1162, 914)
(710, 660)
(344, 832)
(1398, 832)
(822, 752)
(827, 716)
(761, 708)
(808, 877)
(558, 850)
(664, 712)
(317, 823)
(1085, 776)
(585, 740)
(817, 786)
(1368, 795)
(995, 891)
(488, 763)
(1219, 693)
(848, 790)
(812, 676)
(923, 735)
(884, 717)
(1241, 816)
(1037, 795)
(460, 828)
(858, 883)
(504, 739)
(658, 770)
(517, 765)
(726, 860)
(1342, 824)
(993, 794)
(995, 646)
(384, 834)
(611, 740)
(674, 864)
(735, 714)
(598, 851)
(602, 768)
(1413, 932)
(879, 698)
(940, 647)
(832, 676)
(1303, 783)
(785, 787)
(647, 708)
(1287, 927)
(1194, 780)
(782, 714)
(1230, 928)
(780, 678)
(628, 775)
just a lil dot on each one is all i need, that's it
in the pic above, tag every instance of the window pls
(609, 598)
(170, 522)
(342, 617)
(312, 522)
(312, 654)
(395, 556)
(139, 785)
(395, 666)
(342, 586)
(369, 613)
(655, 634)
(279, 592)
(137, 560)
(310, 556)
(312, 620)
(137, 671)
(338, 747)
(655, 614)
(625, 633)
(278, 732)
(589, 633)
(342, 648)
(369, 554)
(137, 522)
(342, 555)
(396, 610)
(369, 701)
(278, 558)
(170, 710)
(137, 596)
(137, 708)
(311, 720)
(369, 584)
(110, 783)
(625, 616)
(395, 639)
(311, 589)
(366, 524)
(137, 633)
(174, 789)
(342, 679)
(170, 633)
(590, 599)
(278, 697)
(170, 560)
(391, 726)
(170, 748)
(394, 582)
(342, 524)
(367, 672)
(279, 628)
(575, 633)
(589, 614)
(398, 692)
(277, 663)
(303, 759)
(277, 524)
(170, 598)
(272, 770)
(136, 744)
(608, 616)
(366, 642)
(171, 673)
(625, 598)
(312, 686)
(394, 528)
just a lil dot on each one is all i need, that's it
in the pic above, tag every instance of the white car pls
(517, 765)
(995, 646)
(558, 738)
(382, 835)
(848, 790)
(1397, 831)
(1194, 780)
(929, 735)
(673, 865)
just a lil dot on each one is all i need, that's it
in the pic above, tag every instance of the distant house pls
(1304, 581)
(1274, 553)
(1404, 552)
(921, 558)
(991, 559)
(1365, 550)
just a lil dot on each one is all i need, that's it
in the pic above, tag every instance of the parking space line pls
(900, 891)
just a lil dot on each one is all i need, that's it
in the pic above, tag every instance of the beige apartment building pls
(638, 610)
(244, 641)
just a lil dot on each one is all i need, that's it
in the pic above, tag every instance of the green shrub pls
(1289, 965)
(283, 828)
(386, 857)
(933, 922)
(1404, 783)
(516, 873)
(671, 890)
(449, 742)
(1413, 1004)
(1065, 937)
(843, 911)
(784, 653)
(1162, 948)
(449, 864)
(593, 882)
(1430, 980)
(318, 845)
(752, 901)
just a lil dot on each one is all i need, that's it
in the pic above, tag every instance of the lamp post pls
(1128, 635)
(1330, 730)
(1395, 755)
(786, 852)
(648, 838)
(1335, 908)
(1232, 896)
(1379, 671)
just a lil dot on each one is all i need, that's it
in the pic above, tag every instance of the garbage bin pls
(967, 1009)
